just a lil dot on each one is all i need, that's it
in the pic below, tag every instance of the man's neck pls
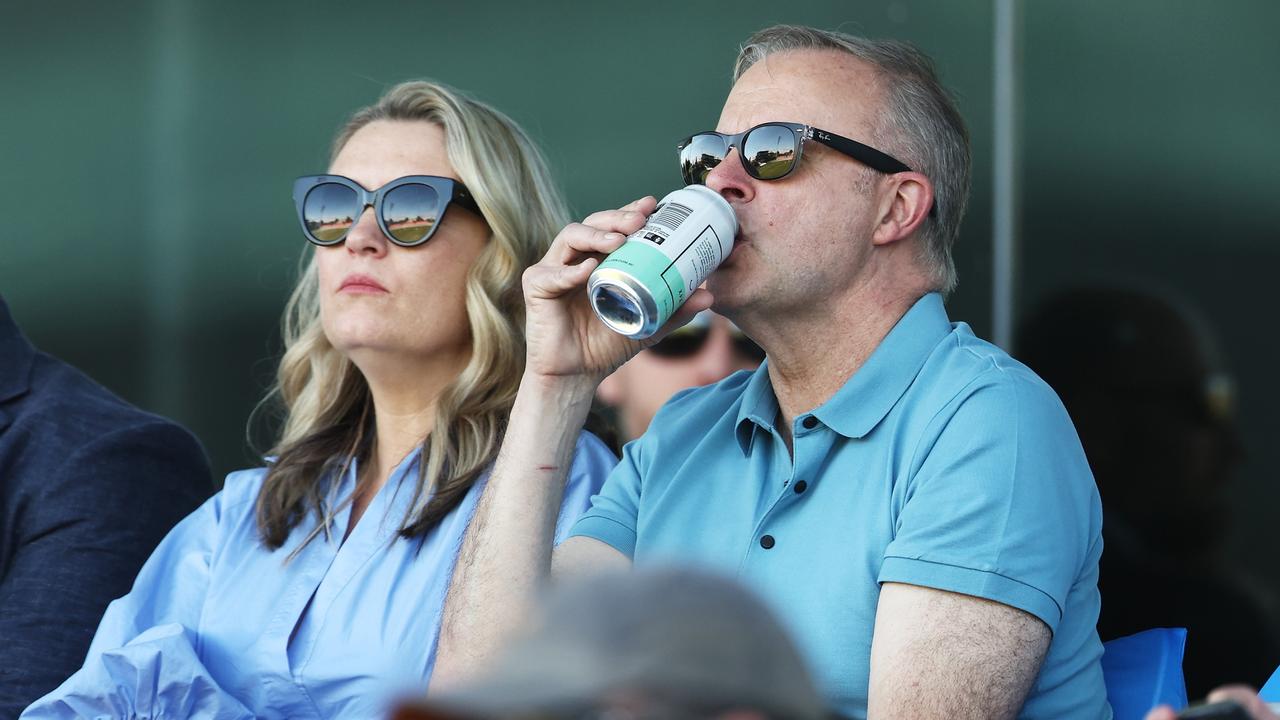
(813, 354)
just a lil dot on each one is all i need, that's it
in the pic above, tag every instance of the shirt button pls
(801, 487)
(766, 542)
(809, 422)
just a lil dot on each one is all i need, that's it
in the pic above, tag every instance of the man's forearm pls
(506, 552)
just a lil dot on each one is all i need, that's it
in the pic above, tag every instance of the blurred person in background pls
(313, 587)
(88, 486)
(1243, 697)
(911, 501)
(659, 643)
(1155, 411)
(706, 349)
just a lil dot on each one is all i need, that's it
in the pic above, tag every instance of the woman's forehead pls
(385, 150)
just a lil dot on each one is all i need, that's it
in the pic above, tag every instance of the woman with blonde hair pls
(313, 587)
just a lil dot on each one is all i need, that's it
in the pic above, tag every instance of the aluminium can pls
(640, 285)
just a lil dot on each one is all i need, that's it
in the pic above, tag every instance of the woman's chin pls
(364, 342)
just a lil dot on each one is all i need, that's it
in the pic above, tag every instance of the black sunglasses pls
(689, 339)
(771, 151)
(408, 209)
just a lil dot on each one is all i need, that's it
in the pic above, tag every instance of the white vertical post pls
(1005, 195)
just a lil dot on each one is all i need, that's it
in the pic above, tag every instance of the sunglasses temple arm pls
(866, 155)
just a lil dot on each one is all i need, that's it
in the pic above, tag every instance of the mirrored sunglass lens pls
(770, 150)
(682, 342)
(747, 348)
(410, 212)
(698, 157)
(329, 211)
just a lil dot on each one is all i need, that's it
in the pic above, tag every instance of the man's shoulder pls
(62, 391)
(964, 366)
(82, 408)
(67, 420)
(700, 406)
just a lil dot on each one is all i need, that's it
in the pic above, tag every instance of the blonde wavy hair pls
(328, 407)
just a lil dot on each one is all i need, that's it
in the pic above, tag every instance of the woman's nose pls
(365, 237)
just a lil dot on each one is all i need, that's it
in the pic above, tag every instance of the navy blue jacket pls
(88, 487)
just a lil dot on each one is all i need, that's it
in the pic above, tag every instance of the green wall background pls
(150, 149)
(147, 150)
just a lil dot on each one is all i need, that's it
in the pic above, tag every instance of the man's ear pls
(905, 208)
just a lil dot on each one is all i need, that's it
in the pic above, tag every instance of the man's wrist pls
(559, 393)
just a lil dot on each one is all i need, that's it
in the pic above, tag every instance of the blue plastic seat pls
(1145, 670)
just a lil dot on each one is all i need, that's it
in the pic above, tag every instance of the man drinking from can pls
(914, 503)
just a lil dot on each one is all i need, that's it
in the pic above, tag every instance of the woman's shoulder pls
(592, 457)
(240, 489)
(591, 443)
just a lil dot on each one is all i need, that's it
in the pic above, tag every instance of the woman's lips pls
(361, 284)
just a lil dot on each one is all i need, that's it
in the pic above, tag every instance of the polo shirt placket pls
(810, 445)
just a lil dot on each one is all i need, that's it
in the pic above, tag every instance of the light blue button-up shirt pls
(942, 463)
(218, 626)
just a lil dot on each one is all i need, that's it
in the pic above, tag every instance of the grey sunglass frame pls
(448, 191)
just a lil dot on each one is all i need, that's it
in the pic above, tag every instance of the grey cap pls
(680, 636)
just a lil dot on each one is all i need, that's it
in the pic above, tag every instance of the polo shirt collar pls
(868, 396)
(759, 406)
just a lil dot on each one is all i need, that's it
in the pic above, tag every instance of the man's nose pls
(731, 180)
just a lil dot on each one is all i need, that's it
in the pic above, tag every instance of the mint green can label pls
(686, 238)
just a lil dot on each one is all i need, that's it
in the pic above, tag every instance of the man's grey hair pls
(921, 127)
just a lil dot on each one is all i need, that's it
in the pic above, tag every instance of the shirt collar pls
(759, 406)
(868, 396)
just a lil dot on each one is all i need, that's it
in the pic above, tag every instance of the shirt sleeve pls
(155, 675)
(1002, 504)
(592, 462)
(614, 510)
(144, 659)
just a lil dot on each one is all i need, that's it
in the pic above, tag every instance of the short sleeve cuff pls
(608, 531)
(978, 583)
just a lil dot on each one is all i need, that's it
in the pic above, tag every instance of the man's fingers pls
(623, 221)
(551, 281)
(577, 240)
(700, 300)
(1163, 712)
(645, 204)
(601, 232)
(1246, 697)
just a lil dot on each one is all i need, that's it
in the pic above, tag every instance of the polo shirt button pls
(801, 487)
(766, 542)
(809, 422)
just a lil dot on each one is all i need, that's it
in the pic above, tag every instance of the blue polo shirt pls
(942, 463)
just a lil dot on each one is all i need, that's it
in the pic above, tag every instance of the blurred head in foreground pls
(709, 348)
(652, 643)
